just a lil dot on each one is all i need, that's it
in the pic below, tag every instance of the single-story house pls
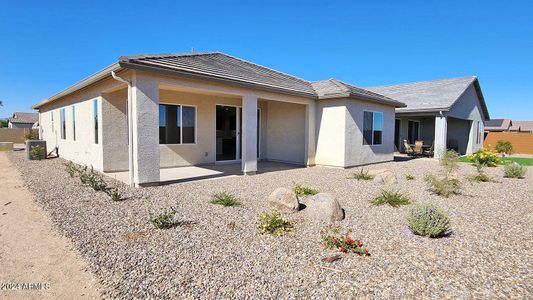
(148, 112)
(22, 120)
(508, 125)
(447, 114)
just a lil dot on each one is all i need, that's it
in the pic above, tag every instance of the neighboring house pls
(508, 125)
(498, 125)
(22, 120)
(148, 112)
(447, 113)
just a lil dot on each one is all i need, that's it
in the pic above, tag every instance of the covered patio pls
(206, 172)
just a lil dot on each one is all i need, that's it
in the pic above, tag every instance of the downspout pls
(130, 127)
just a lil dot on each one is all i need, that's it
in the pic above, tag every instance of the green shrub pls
(224, 199)
(273, 223)
(410, 177)
(362, 174)
(304, 190)
(445, 186)
(114, 193)
(72, 169)
(165, 219)
(394, 199)
(334, 237)
(449, 162)
(428, 220)
(504, 147)
(96, 181)
(480, 177)
(485, 156)
(514, 170)
(37, 152)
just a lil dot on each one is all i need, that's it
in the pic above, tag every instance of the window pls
(95, 117)
(73, 122)
(177, 124)
(372, 128)
(52, 115)
(413, 131)
(63, 124)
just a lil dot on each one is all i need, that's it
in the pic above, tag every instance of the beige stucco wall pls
(83, 150)
(340, 138)
(204, 150)
(331, 128)
(115, 130)
(285, 132)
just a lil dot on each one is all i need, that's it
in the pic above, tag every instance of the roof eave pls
(96, 77)
(390, 102)
(128, 64)
(423, 110)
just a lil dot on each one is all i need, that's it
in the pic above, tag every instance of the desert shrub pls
(362, 174)
(72, 169)
(410, 177)
(164, 219)
(504, 147)
(273, 223)
(394, 199)
(485, 156)
(480, 177)
(114, 193)
(224, 199)
(335, 237)
(301, 190)
(37, 152)
(428, 220)
(444, 186)
(449, 162)
(32, 134)
(96, 181)
(514, 170)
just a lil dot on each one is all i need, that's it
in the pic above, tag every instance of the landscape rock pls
(384, 176)
(283, 200)
(324, 207)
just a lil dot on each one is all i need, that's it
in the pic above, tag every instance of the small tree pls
(504, 147)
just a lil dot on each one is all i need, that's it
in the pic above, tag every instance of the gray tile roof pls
(429, 95)
(498, 124)
(216, 64)
(24, 118)
(333, 88)
(522, 126)
(221, 67)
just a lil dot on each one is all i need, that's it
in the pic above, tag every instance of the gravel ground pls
(217, 253)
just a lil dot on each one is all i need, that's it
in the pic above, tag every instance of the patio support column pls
(145, 130)
(472, 137)
(249, 134)
(310, 134)
(441, 131)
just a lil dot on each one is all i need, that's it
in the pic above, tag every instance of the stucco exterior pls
(340, 138)
(292, 129)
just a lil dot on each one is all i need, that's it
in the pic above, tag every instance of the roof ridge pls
(340, 84)
(473, 77)
(164, 55)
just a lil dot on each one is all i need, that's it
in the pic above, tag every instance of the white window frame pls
(382, 129)
(181, 120)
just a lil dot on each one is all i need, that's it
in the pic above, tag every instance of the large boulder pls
(383, 176)
(324, 207)
(283, 200)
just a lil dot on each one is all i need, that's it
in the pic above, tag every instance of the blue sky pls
(47, 45)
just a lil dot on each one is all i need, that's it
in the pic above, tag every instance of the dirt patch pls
(36, 262)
